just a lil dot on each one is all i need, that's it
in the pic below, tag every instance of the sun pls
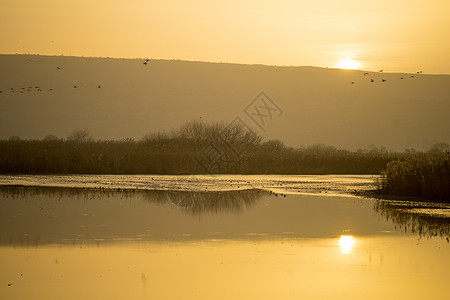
(349, 64)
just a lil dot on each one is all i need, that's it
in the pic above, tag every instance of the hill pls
(124, 98)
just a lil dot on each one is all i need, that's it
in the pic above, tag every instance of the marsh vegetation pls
(425, 175)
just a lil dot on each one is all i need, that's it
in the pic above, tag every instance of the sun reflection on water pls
(346, 242)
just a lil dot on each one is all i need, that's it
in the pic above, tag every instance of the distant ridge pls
(320, 105)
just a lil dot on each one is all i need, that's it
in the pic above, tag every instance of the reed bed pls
(424, 175)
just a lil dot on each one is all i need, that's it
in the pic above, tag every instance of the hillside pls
(319, 105)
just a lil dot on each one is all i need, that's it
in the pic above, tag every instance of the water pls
(292, 184)
(217, 237)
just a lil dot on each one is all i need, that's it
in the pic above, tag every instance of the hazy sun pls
(348, 64)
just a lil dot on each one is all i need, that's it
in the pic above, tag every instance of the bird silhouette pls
(383, 80)
(419, 72)
(98, 86)
(401, 77)
(145, 63)
(75, 87)
(412, 76)
(371, 80)
(58, 68)
(381, 71)
(366, 73)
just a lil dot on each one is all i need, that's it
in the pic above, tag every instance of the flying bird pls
(381, 71)
(371, 80)
(75, 87)
(145, 63)
(383, 80)
(366, 73)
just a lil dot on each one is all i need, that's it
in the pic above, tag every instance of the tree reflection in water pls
(199, 203)
(196, 203)
(422, 218)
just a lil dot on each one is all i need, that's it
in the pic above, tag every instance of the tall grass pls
(425, 175)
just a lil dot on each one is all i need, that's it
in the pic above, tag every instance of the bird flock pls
(146, 62)
(382, 79)
(38, 89)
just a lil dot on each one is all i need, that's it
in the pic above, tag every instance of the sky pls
(397, 36)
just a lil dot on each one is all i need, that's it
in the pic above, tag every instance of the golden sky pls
(397, 36)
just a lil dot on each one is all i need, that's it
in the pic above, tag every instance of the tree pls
(14, 138)
(50, 137)
(439, 147)
(80, 135)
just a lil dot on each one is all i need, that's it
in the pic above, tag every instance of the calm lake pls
(217, 237)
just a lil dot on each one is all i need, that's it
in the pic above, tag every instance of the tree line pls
(227, 149)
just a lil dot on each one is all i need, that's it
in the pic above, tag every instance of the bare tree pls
(80, 135)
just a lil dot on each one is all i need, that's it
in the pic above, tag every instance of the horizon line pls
(220, 62)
